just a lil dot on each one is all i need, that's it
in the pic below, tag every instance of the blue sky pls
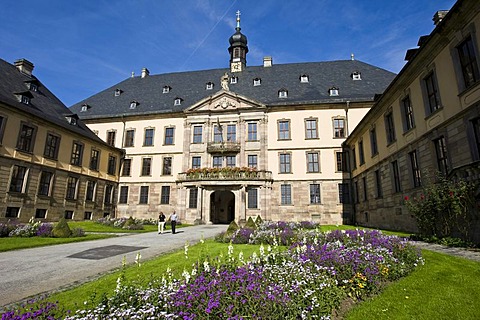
(82, 47)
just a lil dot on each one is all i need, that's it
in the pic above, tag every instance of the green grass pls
(446, 287)
(74, 298)
(15, 243)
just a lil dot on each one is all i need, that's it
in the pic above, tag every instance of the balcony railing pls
(224, 174)
(223, 147)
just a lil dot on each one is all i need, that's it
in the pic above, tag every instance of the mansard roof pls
(43, 104)
(190, 87)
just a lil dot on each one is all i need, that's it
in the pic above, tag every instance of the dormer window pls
(283, 93)
(233, 80)
(333, 91)
(166, 89)
(304, 78)
(118, 92)
(72, 119)
(85, 107)
(177, 101)
(356, 75)
(133, 104)
(33, 87)
(257, 82)
(25, 99)
(209, 86)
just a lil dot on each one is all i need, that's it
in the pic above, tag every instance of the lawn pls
(15, 243)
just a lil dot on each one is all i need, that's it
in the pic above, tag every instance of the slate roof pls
(191, 87)
(43, 103)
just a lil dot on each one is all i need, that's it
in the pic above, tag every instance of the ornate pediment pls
(224, 101)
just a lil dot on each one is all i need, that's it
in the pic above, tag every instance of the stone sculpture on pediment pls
(225, 103)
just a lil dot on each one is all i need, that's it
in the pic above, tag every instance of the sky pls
(80, 48)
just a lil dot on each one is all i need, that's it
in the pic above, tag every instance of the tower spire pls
(238, 20)
(238, 48)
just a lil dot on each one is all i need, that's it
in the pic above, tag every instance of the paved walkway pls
(458, 252)
(30, 272)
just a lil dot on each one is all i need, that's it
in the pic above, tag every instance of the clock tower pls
(238, 49)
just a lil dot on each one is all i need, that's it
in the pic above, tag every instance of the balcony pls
(223, 147)
(225, 174)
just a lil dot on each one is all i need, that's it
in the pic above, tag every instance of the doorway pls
(222, 207)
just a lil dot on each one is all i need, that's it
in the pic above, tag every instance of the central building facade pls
(223, 145)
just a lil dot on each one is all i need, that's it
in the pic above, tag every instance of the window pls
(177, 102)
(231, 161)
(397, 185)
(361, 154)
(19, 179)
(311, 129)
(257, 82)
(72, 184)
(51, 146)
(304, 78)
(94, 159)
(476, 133)
(148, 140)
(314, 193)
(339, 161)
(133, 104)
(33, 87)
(356, 75)
(167, 166)
(365, 190)
(373, 141)
(355, 192)
(166, 89)
(286, 194)
(112, 164)
(252, 198)
(118, 92)
(25, 99)
(91, 187)
(252, 131)
(285, 163)
(143, 195)
(431, 92)
(282, 94)
(313, 164)
(84, 108)
(26, 138)
(193, 199)
(68, 214)
(468, 62)
(129, 138)
(354, 158)
(339, 128)
(40, 213)
(123, 194)
(217, 133)
(209, 86)
(231, 132)
(165, 197)
(284, 130)
(87, 215)
(169, 133)
(378, 184)
(407, 112)
(127, 166)
(233, 80)
(77, 154)
(196, 162)
(12, 212)
(333, 92)
(344, 193)
(45, 183)
(217, 161)
(441, 153)
(197, 134)
(111, 138)
(108, 194)
(417, 180)
(390, 128)
(252, 161)
(146, 166)
(3, 121)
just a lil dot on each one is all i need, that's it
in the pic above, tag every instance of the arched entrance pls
(222, 206)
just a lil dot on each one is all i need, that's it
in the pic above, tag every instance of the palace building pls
(227, 144)
(51, 164)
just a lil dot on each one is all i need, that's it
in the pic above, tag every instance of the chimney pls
(438, 16)
(267, 61)
(145, 72)
(24, 66)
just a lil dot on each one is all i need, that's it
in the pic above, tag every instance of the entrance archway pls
(222, 207)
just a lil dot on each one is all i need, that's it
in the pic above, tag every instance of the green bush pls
(250, 224)
(62, 229)
(258, 220)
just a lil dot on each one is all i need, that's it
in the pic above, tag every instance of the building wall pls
(454, 120)
(55, 204)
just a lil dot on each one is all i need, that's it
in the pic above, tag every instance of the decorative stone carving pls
(224, 82)
(225, 103)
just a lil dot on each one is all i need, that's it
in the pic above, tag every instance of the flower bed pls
(33, 228)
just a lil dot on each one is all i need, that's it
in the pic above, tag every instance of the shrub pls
(232, 227)
(250, 224)
(45, 230)
(5, 229)
(62, 229)
(78, 232)
(258, 220)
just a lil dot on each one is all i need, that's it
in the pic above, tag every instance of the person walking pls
(161, 222)
(173, 220)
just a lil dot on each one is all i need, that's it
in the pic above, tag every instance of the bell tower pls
(238, 49)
